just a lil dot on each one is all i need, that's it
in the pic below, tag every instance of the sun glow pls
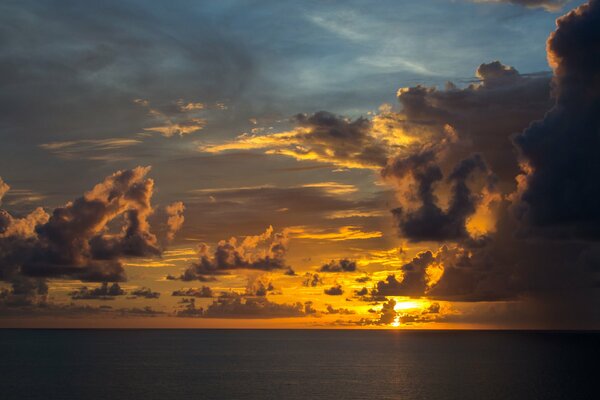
(402, 305)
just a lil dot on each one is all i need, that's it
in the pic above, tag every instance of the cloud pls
(322, 137)
(559, 152)
(76, 240)
(332, 310)
(243, 307)
(175, 218)
(24, 292)
(427, 221)
(145, 292)
(103, 292)
(203, 292)
(111, 149)
(311, 280)
(335, 290)
(3, 189)
(414, 280)
(548, 5)
(264, 252)
(260, 288)
(338, 234)
(478, 118)
(178, 119)
(342, 265)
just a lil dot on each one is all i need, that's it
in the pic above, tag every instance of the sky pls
(300, 164)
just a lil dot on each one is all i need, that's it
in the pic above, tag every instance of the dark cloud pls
(102, 292)
(335, 290)
(427, 221)
(264, 252)
(414, 278)
(341, 265)
(322, 137)
(260, 288)
(24, 292)
(204, 291)
(236, 306)
(332, 310)
(146, 311)
(483, 115)
(387, 314)
(79, 240)
(145, 292)
(350, 141)
(311, 280)
(252, 308)
(562, 191)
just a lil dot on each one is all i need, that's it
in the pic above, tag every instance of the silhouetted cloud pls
(560, 151)
(204, 291)
(243, 307)
(341, 265)
(145, 292)
(427, 221)
(102, 292)
(311, 280)
(335, 290)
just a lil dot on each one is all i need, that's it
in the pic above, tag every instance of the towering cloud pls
(78, 240)
(560, 151)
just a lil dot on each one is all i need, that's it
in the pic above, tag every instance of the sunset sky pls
(425, 164)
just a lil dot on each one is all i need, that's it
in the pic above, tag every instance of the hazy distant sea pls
(280, 364)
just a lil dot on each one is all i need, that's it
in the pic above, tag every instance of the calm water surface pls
(267, 364)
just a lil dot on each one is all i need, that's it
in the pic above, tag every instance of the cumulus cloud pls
(333, 310)
(311, 280)
(203, 292)
(264, 252)
(77, 240)
(341, 265)
(423, 219)
(24, 292)
(145, 292)
(414, 280)
(237, 306)
(560, 151)
(335, 290)
(175, 218)
(102, 292)
(260, 288)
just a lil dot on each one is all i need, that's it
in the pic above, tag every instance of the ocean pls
(298, 364)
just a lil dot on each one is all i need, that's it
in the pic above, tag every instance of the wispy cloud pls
(92, 149)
